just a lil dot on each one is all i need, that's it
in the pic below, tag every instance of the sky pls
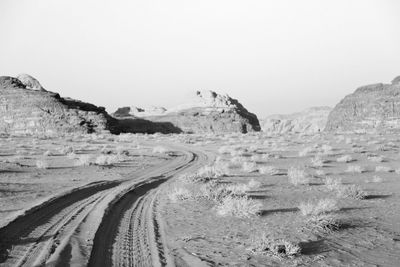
(273, 56)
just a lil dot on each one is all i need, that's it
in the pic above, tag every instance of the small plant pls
(306, 151)
(42, 164)
(316, 208)
(238, 207)
(345, 158)
(83, 160)
(179, 194)
(249, 166)
(160, 150)
(48, 153)
(355, 169)
(376, 179)
(351, 191)
(254, 184)
(298, 176)
(383, 169)
(277, 247)
(65, 150)
(270, 170)
(332, 184)
(320, 172)
(323, 223)
(376, 158)
(106, 160)
(71, 155)
(317, 162)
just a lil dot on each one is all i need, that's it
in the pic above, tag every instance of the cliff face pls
(205, 112)
(369, 108)
(309, 121)
(27, 111)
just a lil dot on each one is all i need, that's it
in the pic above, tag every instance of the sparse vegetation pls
(238, 206)
(298, 176)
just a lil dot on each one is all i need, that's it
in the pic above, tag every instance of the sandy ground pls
(132, 200)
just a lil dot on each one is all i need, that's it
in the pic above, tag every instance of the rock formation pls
(369, 108)
(309, 121)
(139, 112)
(206, 111)
(30, 82)
(28, 111)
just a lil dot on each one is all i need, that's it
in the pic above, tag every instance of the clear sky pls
(275, 56)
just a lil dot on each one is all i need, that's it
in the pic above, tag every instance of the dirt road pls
(101, 224)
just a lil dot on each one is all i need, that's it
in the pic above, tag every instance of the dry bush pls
(351, 191)
(317, 162)
(280, 248)
(42, 164)
(323, 223)
(320, 172)
(107, 160)
(322, 206)
(376, 158)
(238, 206)
(249, 166)
(160, 150)
(383, 169)
(306, 151)
(179, 194)
(270, 170)
(355, 169)
(48, 153)
(376, 179)
(253, 184)
(84, 160)
(65, 150)
(71, 155)
(298, 176)
(345, 158)
(332, 184)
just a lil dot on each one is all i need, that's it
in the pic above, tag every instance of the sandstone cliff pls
(369, 108)
(309, 121)
(28, 111)
(206, 111)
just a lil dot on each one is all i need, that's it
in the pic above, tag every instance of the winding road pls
(101, 224)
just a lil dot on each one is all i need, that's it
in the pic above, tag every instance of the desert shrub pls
(355, 169)
(376, 158)
(306, 151)
(351, 191)
(383, 169)
(238, 206)
(71, 155)
(277, 247)
(42, 164)
(320, 207)
(106, 160)
(376, 179)
(84, 160)
(160, 150)
(270, 170)
(225, 150)
(320, 172)
(332, 183)
(179, 194)
(345, 158)
(48, 153)
(323, 223)
(254, 184)
(66, 149)
(249, 166)
(298, 176)
(317, 162)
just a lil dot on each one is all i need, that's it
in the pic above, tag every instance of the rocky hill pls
(205, 111)
(26, 108)
(309, 121)
(369, 108)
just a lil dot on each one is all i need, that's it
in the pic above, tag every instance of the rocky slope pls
(369, 108)
(26, 108)
(206, 111)
(309, 121)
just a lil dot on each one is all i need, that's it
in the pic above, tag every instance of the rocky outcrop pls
(26, 108)
(205, 111)
(309, 121)
(139, 112)
(370, 108)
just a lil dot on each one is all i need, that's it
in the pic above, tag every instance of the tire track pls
(130, 234)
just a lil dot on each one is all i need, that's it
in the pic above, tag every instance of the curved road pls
(101, 224)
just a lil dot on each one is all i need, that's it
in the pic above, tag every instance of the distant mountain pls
(372, 107)
(309, 121)
(205, 111)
